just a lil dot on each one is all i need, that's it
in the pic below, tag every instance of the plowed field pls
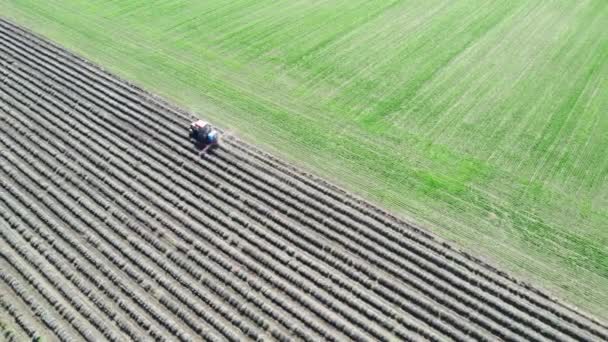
(113, 226)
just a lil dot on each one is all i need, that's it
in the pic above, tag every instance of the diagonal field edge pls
(164, 105)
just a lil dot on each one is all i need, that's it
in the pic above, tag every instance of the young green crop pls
(484, 121)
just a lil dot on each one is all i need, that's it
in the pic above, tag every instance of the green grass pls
(484, 121)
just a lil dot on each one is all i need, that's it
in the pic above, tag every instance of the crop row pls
(23, 325)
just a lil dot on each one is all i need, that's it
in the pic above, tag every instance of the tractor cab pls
(203, 134)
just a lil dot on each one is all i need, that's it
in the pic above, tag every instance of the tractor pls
(203, 135)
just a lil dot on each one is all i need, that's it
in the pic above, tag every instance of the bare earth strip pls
(114, 227)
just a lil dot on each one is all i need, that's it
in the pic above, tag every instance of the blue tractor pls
(203, 134)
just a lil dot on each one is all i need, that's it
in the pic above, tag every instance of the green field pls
(484, 121)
